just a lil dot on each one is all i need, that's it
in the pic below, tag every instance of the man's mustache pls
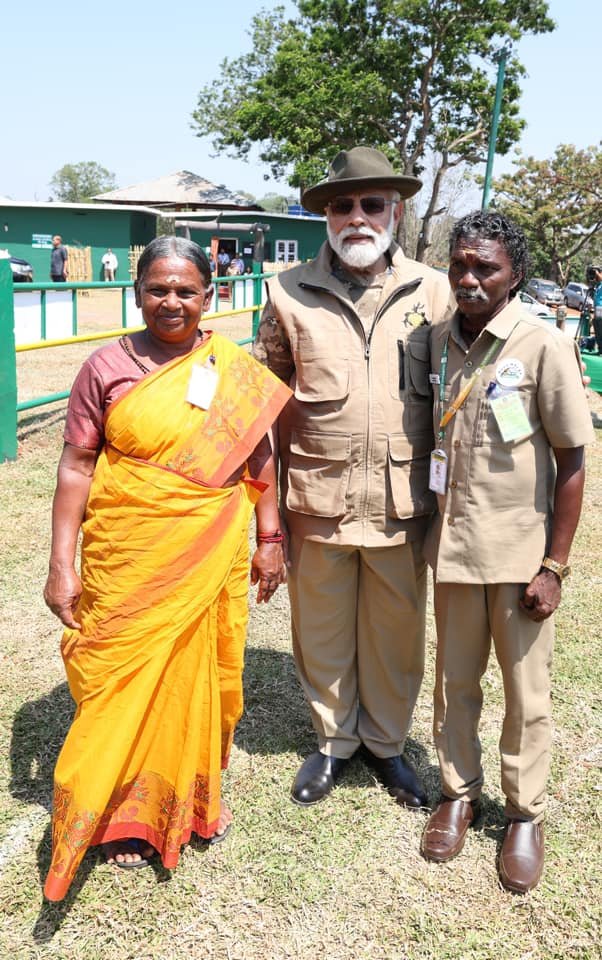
(355, 231)
(462, 294)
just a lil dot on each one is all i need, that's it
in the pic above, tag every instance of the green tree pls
(79, 182)
(558, 203)
(276, 202)
(411, 77)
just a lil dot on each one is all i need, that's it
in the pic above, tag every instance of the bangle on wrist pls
(276, 537)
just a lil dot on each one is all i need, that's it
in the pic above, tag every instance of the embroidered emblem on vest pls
(415, 317)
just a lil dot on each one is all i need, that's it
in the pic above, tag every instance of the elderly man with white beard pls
(350, 332)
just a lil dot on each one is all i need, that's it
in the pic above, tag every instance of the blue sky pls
(119, 89)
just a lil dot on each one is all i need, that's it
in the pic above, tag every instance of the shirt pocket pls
(408, 472)
(318, 473)
(486, 432)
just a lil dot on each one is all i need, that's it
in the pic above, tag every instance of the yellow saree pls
(155, 670)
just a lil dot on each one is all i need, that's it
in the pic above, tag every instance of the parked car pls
(546, 291)
(22, 270)
(575, 295)
(533, 306)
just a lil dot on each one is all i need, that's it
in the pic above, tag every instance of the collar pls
(352, 280)
(501, 326)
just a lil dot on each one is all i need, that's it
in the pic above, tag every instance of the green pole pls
(501, 58)
(257, 291)
(8, 367)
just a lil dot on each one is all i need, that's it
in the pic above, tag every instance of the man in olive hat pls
(350, 332)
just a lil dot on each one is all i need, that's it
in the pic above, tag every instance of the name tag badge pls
(434, 378)
(202, 386)
(510, 416)
(438, 472)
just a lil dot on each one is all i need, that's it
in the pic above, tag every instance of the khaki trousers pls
(468, 616)
(358, 617)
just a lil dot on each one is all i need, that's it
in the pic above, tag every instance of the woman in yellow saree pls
(165, 457)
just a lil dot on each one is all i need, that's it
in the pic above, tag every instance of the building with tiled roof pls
(179, 191)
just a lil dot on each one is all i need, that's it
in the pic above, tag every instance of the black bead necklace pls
(124, 343)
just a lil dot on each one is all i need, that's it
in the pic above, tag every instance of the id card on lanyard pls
(439, 461)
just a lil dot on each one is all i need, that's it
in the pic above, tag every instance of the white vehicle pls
(534, 306)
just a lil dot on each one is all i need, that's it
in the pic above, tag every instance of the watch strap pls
(561, 570)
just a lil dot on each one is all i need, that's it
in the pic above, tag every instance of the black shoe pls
(399, 777)
(316, 778)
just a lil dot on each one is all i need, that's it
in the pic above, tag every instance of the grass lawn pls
(343, 880)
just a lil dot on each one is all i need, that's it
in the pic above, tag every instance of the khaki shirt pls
(494, 522)
(356, 436)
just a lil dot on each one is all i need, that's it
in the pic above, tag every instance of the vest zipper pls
(400, 291)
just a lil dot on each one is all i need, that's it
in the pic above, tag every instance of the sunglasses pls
(341, 206)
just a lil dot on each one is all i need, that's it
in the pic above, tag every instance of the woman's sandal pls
(216, 838)
(131, 845)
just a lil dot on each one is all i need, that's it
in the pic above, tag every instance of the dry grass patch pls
(342, 880)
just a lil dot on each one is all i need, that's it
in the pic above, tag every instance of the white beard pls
(360, 256)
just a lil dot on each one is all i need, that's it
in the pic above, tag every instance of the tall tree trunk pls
(424, 237)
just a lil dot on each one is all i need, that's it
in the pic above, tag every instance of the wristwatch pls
(560, 569)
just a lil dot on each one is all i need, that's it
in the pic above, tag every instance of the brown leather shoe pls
(521, 856)
(446, 828)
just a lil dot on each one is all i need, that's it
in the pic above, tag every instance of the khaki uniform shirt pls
(494, 522)
(356, 436)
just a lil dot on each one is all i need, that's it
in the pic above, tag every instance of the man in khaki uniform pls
(349, 331)
(511, 419)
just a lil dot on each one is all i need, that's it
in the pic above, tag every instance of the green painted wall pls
(94, 228)
(309, 234)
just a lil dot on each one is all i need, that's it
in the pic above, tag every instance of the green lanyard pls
(464, 392)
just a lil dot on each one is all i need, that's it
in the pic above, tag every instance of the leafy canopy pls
(79, 182)
(411, 77)
(558, 203)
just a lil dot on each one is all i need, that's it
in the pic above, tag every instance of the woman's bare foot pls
(128, 853)
(224, 820)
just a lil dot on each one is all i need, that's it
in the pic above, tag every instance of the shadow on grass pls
(276, 720)
(30, 425)
(39, 729)
(52, 915)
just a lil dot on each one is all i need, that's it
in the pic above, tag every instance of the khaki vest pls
(355, 438)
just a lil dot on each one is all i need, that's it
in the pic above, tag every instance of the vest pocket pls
(419, 362)
(318, 473)
(408, 472)
(320, 379)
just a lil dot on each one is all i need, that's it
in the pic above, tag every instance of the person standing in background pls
(598, 308)
(110, 264)
(58, 260)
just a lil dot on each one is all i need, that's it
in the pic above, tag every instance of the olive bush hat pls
(358, 169)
